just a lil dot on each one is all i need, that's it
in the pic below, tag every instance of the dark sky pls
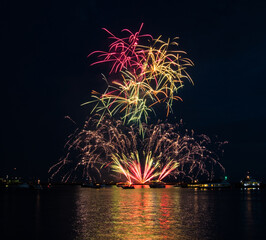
(46, 74)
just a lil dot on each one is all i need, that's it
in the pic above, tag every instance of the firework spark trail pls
(134, 167)
(146, 75)
(122, 51)
(165, 150)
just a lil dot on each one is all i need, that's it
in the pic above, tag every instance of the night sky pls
(46, 75)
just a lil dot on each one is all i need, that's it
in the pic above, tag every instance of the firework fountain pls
(117, 139)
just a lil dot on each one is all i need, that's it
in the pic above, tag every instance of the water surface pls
(113, 213)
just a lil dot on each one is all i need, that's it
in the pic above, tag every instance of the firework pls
(111, 147)
(146, 72)
(146, 75)
(132, 169)
(122, 52)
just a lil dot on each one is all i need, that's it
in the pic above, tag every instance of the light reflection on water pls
(143, 213)
(72, 212)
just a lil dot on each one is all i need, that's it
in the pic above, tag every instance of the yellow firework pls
(156, 73)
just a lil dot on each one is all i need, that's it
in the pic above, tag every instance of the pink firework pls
(123, 53)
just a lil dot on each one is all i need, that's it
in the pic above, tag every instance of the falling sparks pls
(166, 150)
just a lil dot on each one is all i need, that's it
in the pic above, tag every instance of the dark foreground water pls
(113, 213)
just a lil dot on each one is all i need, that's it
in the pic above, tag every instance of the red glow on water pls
(141, 186)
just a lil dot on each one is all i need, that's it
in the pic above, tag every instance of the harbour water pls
(72, 212)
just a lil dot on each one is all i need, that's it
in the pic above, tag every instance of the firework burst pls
(146, 75)
(147, 71)
(166, 150)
